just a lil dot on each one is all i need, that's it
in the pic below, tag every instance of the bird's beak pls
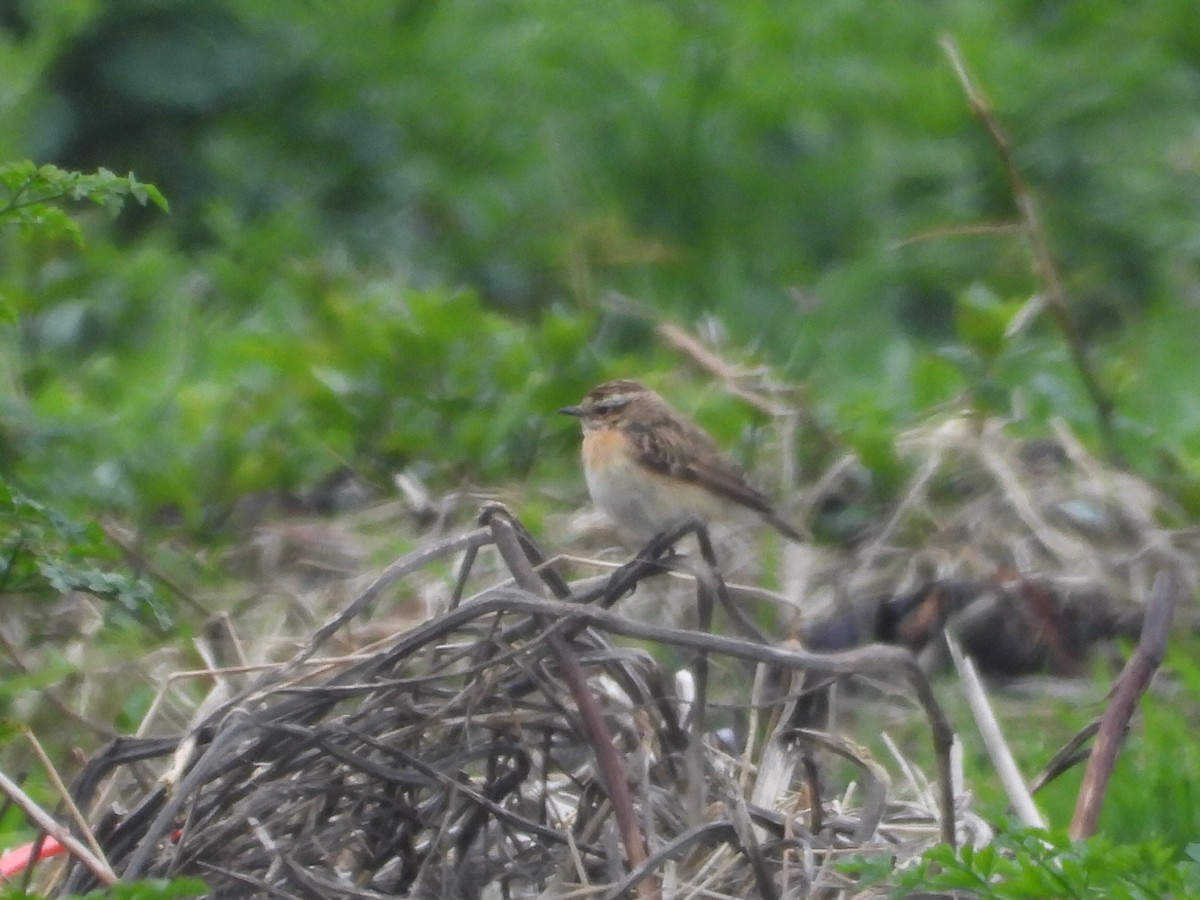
(571, 411)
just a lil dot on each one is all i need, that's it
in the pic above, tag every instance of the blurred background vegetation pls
(403, 233)
(397, 237)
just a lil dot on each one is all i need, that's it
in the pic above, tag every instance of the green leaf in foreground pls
(32, 196)
(151, 889)
(1030, 864)
(41, 549)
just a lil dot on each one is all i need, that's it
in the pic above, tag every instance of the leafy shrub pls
(152, 406)
(40, 547)
(1032, 864)
(535, 161)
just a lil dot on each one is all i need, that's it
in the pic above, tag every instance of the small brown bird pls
(649, 467)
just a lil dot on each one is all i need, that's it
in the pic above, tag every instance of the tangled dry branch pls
(512, 741)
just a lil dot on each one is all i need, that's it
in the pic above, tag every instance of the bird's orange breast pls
(604, 448)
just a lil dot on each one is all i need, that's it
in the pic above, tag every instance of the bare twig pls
(731, 374)
(94, 864)
(1043, 260)
(706, 832)
(877, 659)
(400, 568)
(812, 782)
(740, 815)
(64, 794)
(1130, 685)
(875, 780)
(933, 234)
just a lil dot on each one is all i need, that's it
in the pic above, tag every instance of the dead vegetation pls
(480, 721)
(1030, 551)
(511, 743)
(530, 738)
(515, 727)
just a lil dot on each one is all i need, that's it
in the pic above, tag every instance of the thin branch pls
(730, 374)
(1043, 260)
(959, 231)
(677, 848)
(401, 568)
(873, 659)
(94, 864)
(64, 794)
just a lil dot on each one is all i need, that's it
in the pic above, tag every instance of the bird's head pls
(607, 403)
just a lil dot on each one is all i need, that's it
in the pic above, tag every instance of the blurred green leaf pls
(982, 321)
(43, 550)
(34, 195)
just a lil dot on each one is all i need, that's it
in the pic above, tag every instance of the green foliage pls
(1031, 864)
(646, 143)
(299, 371)
(42, 550)
(152, 889)
(33, 197)
(808, 193)
(992, 356)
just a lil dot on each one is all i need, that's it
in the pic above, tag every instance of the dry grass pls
(430, 740)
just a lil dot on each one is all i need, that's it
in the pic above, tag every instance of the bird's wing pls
(673, 446)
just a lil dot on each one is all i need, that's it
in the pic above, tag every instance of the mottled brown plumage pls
(649, 466)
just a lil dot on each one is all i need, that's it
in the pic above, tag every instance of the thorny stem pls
(1039, 248)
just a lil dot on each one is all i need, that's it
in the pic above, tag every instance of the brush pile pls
(525, 742)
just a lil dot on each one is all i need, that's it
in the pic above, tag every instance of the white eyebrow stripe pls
(612, 401)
